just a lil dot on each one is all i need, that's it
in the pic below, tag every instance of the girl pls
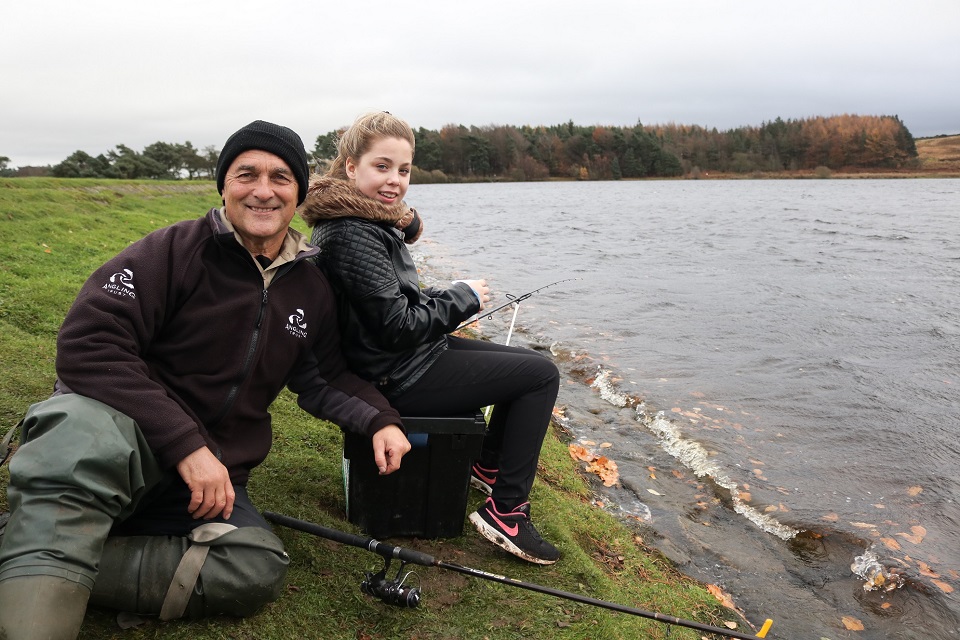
(395, 334)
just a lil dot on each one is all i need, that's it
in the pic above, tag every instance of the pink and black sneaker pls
(514, 532)
(482, 479)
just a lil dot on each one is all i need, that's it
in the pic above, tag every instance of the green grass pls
(55, 232)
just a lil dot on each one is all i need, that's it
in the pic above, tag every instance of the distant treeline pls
(500, 152)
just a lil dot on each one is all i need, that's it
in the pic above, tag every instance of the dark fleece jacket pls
(178, 332)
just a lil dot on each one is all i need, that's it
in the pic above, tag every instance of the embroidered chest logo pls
(296, 325)
(121, 284)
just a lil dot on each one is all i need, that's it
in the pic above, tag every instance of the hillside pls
(941, 154)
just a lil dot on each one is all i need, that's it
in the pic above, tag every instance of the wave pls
(690, 453)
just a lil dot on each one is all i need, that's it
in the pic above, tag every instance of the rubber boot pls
(135, 572)
(244, 570)
(41, 608)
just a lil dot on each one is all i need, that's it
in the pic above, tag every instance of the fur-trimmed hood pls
(329, 198)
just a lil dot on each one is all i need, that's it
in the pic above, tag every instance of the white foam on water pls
(874, 574)
(608, 391)
(692, 455)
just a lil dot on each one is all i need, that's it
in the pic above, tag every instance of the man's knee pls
(246, 569)
(219, 570)
(79, 441)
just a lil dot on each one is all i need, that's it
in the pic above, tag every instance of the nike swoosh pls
(510, 531)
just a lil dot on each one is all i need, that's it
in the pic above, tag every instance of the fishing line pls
(399, 593)
(514, 300)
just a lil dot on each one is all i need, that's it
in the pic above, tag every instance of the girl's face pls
(383, 172)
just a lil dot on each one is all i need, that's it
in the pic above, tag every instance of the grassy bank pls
(55, 232)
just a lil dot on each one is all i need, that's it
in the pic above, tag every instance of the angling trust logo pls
(296, 325)
(121, 284)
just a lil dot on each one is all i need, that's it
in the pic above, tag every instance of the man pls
(130, 480)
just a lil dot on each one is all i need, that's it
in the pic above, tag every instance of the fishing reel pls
(391, 591)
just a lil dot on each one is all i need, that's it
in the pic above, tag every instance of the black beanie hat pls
(274, 138)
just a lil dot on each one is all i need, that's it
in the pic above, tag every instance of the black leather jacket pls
(392, 330)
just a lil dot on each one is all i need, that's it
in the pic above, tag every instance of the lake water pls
(773, 365)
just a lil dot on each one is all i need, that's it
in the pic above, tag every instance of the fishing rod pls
(511, 299)
(514, 300)
(398, 592)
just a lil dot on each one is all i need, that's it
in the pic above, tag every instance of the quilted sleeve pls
(370, 265)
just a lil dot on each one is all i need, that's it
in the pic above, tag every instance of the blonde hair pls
(365, 130)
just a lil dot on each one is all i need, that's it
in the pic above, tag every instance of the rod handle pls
(766, 627)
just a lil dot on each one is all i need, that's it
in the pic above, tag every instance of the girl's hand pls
(481, 289)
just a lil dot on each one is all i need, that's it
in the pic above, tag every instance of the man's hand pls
(389, 445)
(211, 492)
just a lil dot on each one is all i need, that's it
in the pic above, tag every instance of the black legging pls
(522, 386)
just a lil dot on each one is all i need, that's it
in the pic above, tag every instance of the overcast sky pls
(93, 74)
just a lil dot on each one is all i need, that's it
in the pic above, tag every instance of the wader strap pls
(6, 446)
(185, 577)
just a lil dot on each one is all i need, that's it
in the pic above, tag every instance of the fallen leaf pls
(852, 623)
(590, 443)
(605, 445)
(730, 624)
(656, 493)
(943, 586)
(891, 544)
(745, 496)
(718, 593)
(914, 491)
(606, 469)
(925, 570)
(580, 453)
(885, 605)
(864, 525)
(916, 535)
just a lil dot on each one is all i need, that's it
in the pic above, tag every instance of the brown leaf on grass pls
(916, 535)
(719, 594)
(943, 586)
(852, 623)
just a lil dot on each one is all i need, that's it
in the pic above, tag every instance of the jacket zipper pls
(247, 362)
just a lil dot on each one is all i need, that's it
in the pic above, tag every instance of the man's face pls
(260, 199)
